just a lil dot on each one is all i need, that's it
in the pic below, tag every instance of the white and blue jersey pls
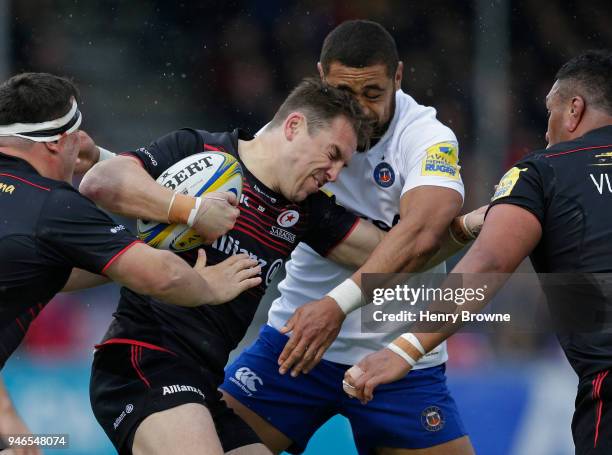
(416, 150)
(414, 412)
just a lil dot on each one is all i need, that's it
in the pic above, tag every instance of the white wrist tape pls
(414, 341)
(348, 296)
(194, 211)
(403, 354)
(170, 206)
(105, 154)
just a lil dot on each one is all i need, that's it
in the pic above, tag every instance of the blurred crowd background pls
(145, 68)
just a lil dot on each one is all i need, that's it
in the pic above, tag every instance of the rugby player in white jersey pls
(408, 183)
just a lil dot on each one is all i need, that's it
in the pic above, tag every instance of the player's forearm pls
(405, 248)
(452, 242)
(355, 249)
(160, 274)
(122, 186)
(82, 279)
(183, 286)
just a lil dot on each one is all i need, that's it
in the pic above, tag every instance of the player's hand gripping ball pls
(195, 176)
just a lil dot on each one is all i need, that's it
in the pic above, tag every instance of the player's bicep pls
(357, 245)
(430, 209)
(509, 235)
(72, 231)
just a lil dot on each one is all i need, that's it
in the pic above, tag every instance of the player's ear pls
(576, 111)
(320, 70)
(293, 123)
(399, 73)
(53, 147)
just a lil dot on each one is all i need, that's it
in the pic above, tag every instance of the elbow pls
(95, 184)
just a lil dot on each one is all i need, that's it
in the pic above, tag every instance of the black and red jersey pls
(46, 229)
(568, 187)
(268, 229)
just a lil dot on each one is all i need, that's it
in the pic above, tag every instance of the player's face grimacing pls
(372, 86)
(318, 158)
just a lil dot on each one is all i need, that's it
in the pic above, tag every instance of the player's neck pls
(45, 164)
(259, 157)
(595, 119)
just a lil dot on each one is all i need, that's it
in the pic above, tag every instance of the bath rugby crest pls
(384, 175)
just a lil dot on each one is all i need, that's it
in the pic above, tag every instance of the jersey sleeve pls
(431, 159)
(330, 223)
(72, 231)
(167, 150)
(527, 185)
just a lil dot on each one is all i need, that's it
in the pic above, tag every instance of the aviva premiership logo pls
(441, 160)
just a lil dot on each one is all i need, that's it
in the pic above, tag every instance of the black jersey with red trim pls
(268, 229)
(46, 229)
(568, 187)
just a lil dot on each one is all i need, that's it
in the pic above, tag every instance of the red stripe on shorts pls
(597, 393)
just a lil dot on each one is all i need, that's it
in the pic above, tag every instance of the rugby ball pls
(195, 176)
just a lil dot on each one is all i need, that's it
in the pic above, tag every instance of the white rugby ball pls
(195, 176)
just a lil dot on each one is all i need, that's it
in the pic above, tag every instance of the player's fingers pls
(291, 343)
(249, 283)
(317, 358)
(368, 389)
(305, 360)
(231, 198)
(245, 263)
(294, 356)
(201, 261)
(288, 327)
(248, 273)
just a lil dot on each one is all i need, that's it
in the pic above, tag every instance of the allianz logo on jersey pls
(246, 380)
(229, 245)
(170, 389)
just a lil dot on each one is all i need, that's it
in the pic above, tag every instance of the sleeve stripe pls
(350, 231)
(119, 254)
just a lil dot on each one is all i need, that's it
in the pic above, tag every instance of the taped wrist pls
(183, 209)
(408, 347)
(347, 295)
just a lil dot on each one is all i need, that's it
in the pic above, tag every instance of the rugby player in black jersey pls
(52, 238)
(155, 374)
(554, 206)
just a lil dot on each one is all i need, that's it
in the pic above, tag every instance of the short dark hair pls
(35, 97)
(359, 43)
(321, 103)
(590, 73)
